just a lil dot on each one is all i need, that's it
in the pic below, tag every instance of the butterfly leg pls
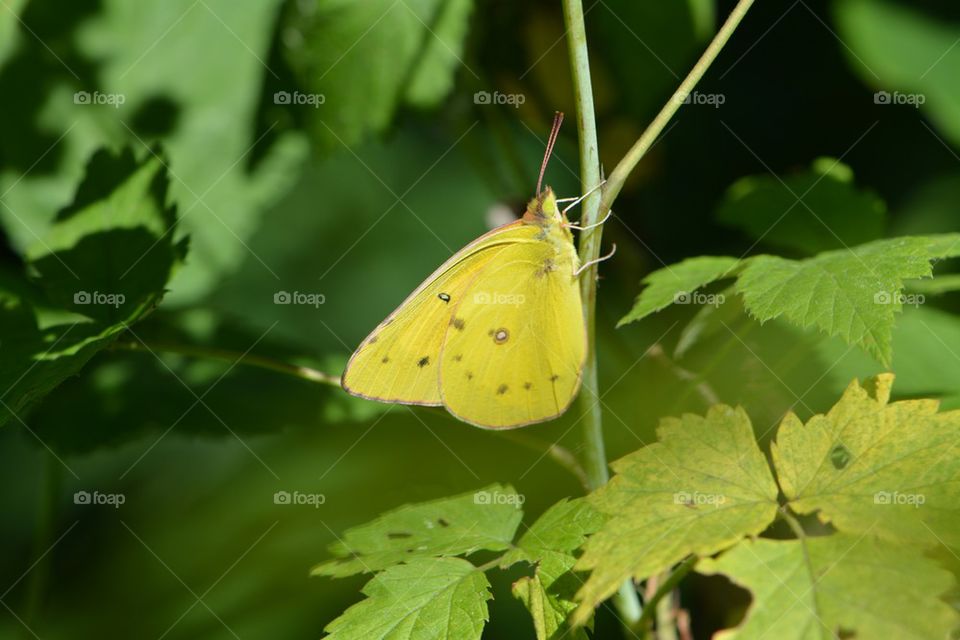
(590, 226)
(578, 200)
(597, 261)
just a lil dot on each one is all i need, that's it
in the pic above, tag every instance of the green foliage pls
(550, 544)
(813, 211)
(371, 58)
(854, 293)
(101, 267)
(485, 519)
(867, 466)
(424, 599)
(838, 586)
(895, 47)
(701, 488)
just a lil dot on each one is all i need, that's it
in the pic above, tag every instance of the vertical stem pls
(594, 455)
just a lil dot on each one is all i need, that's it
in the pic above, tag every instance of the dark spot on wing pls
(458, 323)
(397, 535)
(372, 340)
(442, 522)
(385, 359)
(502, 389)
(444, 296)
(469, 375)
(458, 357)
(424, 361)
(500, 336)
(527, 385)
(554, 378)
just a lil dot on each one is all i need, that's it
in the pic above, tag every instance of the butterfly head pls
(543, 209)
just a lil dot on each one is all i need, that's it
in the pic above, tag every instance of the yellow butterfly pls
(496, 334)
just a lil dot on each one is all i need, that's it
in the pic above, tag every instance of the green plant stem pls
(642, 625)
(232, 357)
(626, 165)
(594, 456)
(597, 205)
(52, 485)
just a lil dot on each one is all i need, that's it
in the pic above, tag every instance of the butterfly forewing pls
(399, 360)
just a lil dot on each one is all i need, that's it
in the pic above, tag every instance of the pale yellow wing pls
(399, 360)
(515, 352)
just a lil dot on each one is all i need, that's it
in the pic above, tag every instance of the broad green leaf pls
(870, 466)
(484, 519)
(937, 286)
(424, 599)
(922, 335)
(854, 293)
(677, 284)
(550, 544)
(837, 586)
(904, 52)
(368, 58)
(813, 211)
(201, 110)
(90, 277)
(442, 55)
(701, 488)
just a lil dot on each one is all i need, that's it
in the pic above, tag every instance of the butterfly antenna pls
(554, 132)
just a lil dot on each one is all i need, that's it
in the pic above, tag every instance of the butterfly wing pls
(399, 360)
(516, 347)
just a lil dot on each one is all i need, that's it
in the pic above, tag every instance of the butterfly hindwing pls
(517, 343)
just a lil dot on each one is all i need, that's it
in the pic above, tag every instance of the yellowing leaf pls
(838, 586)
(425, 599)
(550, 543)
(701, 488)
(485, 519)
(870, 466)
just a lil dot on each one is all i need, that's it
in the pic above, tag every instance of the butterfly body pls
(496, 335)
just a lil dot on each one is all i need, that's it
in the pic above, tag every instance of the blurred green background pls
(341, 147)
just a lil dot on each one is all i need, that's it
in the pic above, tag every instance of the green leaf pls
(894, 47)
(368, 58)
(91, 276)
(813, 211)
(870, 466)
(484, 519)
(837, 586)
(424, 599)
(550, 544)
(701, 488)
(433, 75)
(854, 293)
(677, 283)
